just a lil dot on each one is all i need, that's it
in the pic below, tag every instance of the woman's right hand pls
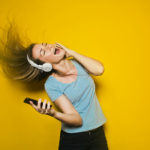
(43, 110)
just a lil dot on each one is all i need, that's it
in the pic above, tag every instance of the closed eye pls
(42, 52)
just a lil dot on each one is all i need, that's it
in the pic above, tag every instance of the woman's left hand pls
(69, 53)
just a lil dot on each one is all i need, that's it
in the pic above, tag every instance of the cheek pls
(63, 51)
(52, 58)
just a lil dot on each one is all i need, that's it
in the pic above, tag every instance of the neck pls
(64, 67)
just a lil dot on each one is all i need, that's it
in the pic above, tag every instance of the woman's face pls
(47, 53)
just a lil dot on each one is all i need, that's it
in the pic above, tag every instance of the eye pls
(43, 53)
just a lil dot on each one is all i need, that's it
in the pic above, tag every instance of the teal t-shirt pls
(81, 93)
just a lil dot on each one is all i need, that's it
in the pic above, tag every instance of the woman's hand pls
(69, 53)
(43, 110)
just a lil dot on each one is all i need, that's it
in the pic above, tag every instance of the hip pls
(83, 138)
(91, 139)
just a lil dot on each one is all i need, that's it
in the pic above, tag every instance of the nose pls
(50, 47)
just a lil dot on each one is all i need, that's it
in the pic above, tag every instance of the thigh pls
(73, 141)
(98, 141)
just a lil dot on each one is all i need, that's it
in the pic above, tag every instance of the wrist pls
(72, 53)
(52, 113)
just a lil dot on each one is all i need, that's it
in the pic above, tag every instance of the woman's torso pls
(81, 93)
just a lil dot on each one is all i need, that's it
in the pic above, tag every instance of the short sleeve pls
(53, 92)
(80, 65)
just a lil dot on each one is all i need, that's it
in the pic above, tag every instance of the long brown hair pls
(13, 58)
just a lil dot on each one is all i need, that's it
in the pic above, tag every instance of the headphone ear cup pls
(47, 67)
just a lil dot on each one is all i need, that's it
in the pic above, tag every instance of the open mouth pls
(56, 51)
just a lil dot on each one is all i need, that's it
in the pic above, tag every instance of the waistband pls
(88, 131)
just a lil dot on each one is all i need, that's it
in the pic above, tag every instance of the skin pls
(45, 53)
(63, 66)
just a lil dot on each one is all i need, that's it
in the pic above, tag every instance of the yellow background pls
(115, 32)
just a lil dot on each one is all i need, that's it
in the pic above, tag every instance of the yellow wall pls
(115, 32)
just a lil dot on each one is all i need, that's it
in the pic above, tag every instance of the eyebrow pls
(44, 43)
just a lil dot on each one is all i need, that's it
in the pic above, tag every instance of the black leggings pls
(89, 140)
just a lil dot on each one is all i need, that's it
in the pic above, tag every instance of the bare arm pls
(69, 115)
(93, 66)
(70, 119)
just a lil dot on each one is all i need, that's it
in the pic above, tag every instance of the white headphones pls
(47, 67)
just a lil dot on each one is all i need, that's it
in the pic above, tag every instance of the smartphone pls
(35, 102)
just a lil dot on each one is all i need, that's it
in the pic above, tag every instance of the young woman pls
(69, 86)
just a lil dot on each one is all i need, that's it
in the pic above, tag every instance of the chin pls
(62, 57)
(63, 54)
